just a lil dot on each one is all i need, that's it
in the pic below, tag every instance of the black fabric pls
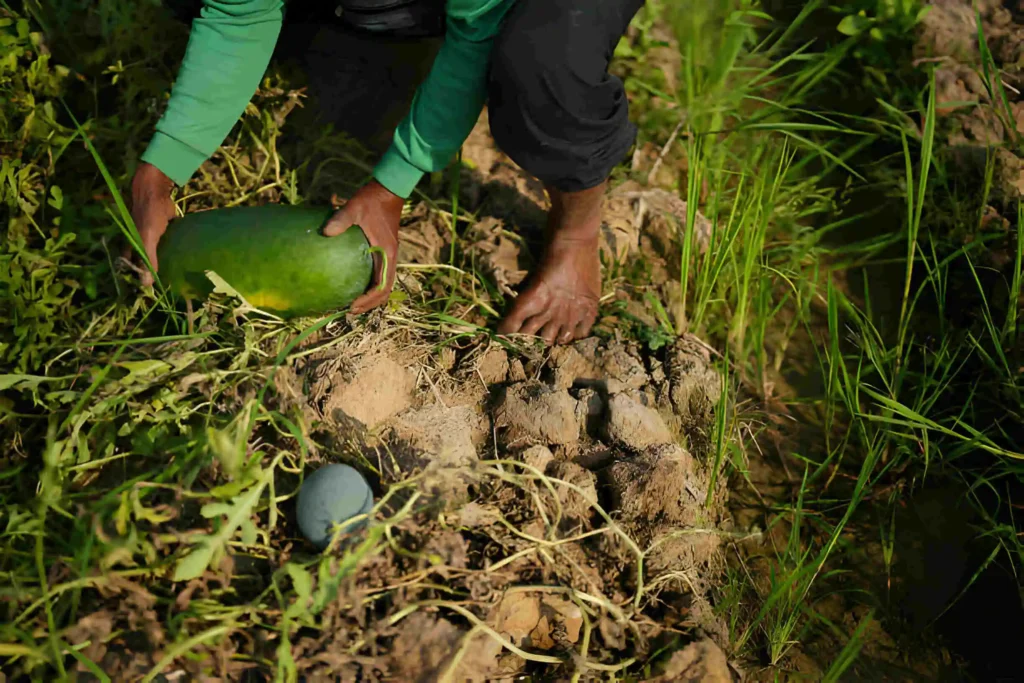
(402, 18)
(387, 18)
(553, 106)
(184, 10)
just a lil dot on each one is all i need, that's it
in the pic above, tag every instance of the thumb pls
(150, 245)
(339, 223)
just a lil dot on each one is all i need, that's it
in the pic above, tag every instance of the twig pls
(664, 150)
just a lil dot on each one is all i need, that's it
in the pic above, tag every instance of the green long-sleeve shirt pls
(230, 47)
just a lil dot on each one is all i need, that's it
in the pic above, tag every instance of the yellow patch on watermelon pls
(271, 300)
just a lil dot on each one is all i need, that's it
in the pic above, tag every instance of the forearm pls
(228, 51)
(448, 103)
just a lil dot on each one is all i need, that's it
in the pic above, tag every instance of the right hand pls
(378, 213)
(152, 209)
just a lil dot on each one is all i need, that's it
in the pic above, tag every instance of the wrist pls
(153, 179)
(384, 195)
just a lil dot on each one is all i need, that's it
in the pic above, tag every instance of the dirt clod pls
(633, 425)
(949, 29)
(424, 648)
(569, 365)
(659, 485)
(699, 662)
(622, 366)
(576, 502)
(538, 457)
(612, 368)
(537, 621)
(493, 365)
(377, 388)
(531, 413)
(660, 495)
(694, 385)
(448, 435)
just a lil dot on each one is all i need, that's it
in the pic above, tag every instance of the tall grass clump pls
(902, 405)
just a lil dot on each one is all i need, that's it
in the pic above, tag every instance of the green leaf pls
(211, 510)
(148, 514)
(221, 286)
(90, 665)
(210, 547)
(229, 490)
(302, 583)
(854, 24)
(249, 532)
(302, 580)
(20, 381)
(139, 369)
(56, 199)
(286, 669)
(196, 562)
(228, 446)
(123, 514)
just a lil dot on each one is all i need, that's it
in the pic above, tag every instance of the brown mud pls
(603, 532)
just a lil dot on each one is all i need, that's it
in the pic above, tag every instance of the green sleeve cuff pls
(177, 160)
(396, 173)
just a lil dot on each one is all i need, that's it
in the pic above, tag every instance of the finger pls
(369, 301)
(568, 334)
(584, 326)
(533, 324)
(338, 224)
(379, 275)
(581, 324)
(522, 309)
(149, 242)
(550, 332)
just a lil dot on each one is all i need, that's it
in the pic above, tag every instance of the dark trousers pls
(554, 109)
(553, 106)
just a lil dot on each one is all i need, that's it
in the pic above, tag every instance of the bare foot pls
(561, 298)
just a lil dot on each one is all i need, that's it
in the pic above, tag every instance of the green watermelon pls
(275, 256)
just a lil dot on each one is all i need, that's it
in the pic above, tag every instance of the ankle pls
(575, 238)
(576, 216)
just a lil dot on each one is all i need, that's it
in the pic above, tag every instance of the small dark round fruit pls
(328, 497)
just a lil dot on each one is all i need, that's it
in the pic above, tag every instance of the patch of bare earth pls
(561, 520)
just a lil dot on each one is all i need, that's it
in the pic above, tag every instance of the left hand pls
(378, 212)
